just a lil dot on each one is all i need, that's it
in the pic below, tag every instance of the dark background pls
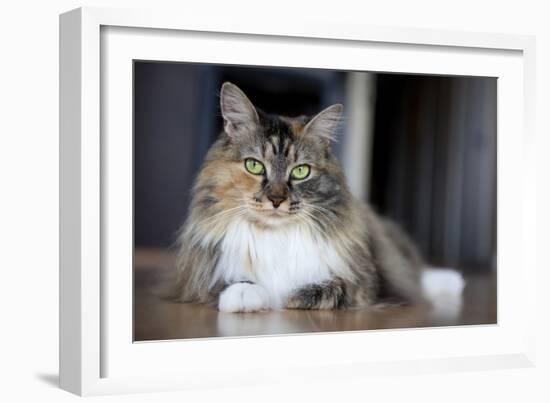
(432, 155)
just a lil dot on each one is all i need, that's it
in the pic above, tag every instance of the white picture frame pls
(97, 355)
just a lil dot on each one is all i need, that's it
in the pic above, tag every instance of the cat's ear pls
(324, 124)
(239, 115)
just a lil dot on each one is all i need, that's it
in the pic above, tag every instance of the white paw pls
(243, 297)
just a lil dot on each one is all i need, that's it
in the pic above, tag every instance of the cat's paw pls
(243, 297)
(327, 295)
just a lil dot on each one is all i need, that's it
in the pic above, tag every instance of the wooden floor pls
(158, 319)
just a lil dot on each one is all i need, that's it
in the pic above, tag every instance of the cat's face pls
(277, 169)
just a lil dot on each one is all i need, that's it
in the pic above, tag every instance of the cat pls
(273, 225)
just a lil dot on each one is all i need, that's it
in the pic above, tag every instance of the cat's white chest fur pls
(276, 260)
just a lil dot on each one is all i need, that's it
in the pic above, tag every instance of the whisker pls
(334, 234)
(220, 215)
(310, 213)
(213, 222)
(311, 219)
(307, 223)
(328, 213)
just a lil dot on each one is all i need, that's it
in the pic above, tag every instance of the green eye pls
(254, 166)
(300, 172)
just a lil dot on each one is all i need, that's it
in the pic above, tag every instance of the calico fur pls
(267, 241)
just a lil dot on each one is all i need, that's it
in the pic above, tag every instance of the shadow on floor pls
(49, 379)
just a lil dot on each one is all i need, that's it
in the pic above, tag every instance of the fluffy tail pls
(443, 288)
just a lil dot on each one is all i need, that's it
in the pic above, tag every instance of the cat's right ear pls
(239, 115)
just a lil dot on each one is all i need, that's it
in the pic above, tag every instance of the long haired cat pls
(272, 223)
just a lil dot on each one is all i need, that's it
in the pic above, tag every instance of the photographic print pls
(274, 200)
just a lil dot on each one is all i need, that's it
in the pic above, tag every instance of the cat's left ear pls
(239, 115)
(324, 124)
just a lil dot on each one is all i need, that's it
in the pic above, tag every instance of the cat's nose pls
(276, 200)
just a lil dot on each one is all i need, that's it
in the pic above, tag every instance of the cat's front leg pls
(243, 297)
(327, 295)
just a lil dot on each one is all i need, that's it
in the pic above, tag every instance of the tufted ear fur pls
(239, 115)
(324, 124)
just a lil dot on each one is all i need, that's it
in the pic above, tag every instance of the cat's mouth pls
(269, 213)
(272, 212)
(276, 213)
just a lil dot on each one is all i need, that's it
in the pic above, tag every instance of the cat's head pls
(277, 169)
